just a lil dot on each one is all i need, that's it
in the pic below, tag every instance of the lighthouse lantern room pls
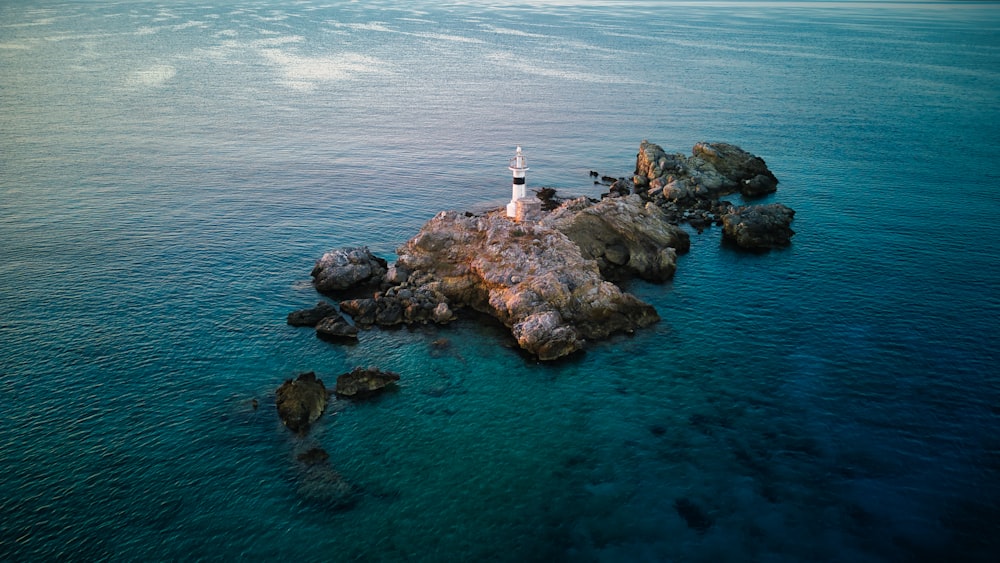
(518, 166)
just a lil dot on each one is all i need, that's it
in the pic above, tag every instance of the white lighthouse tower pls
(518, 166)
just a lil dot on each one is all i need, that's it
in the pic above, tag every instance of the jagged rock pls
(519, 273)
(310, 317)
(623, 234)
(747, 170)
(347, 268)
(712, 170)
(621, 187)
(362, 383)
(389, 313)
(653, 162)
(361, 310)
(443, 313)
(547, 335)
(335, 328)
(396, 275)
(548, 198)
(759, 226)
(301, 401)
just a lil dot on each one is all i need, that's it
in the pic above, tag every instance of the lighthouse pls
(518, 166)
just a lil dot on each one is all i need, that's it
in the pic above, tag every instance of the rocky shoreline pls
(551, 281)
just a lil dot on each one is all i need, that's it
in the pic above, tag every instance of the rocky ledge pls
(550, 280)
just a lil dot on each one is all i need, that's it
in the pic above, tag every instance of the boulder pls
(348, 268)
(759, 226)
(744, 169)
(362, 383)
(301, 401)
(335, 328)
(547, 335)
(310, 317)
(443, 313)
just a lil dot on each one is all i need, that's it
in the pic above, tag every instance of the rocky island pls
(551, 279)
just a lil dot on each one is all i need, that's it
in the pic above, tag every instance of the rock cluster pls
(688, 188)
(712, 170)
(549, 280)
(405, 303)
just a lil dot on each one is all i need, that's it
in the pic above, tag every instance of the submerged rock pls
(693, 515)
(313, 456)
(361, 383)
(759, 226)
(301, 401)
(322, 485)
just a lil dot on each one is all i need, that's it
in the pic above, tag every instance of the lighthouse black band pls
(518, 180)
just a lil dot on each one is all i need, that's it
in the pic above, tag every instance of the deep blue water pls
(170, 172)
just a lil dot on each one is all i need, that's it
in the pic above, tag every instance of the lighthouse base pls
(525, 209)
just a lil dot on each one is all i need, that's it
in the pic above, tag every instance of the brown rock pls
(301, 401)
(361, 383)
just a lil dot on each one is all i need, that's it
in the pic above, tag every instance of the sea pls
(170, 172)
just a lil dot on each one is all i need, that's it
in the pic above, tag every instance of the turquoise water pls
(170, 172)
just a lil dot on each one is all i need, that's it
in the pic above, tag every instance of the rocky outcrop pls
(625, 236)
(759, 226)
(688, 188)
(405, 303)
(361, 383)
(547, 279)
(530, 276)
(311, 317)
(301, 401)
(347, 268)
(713, 170)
